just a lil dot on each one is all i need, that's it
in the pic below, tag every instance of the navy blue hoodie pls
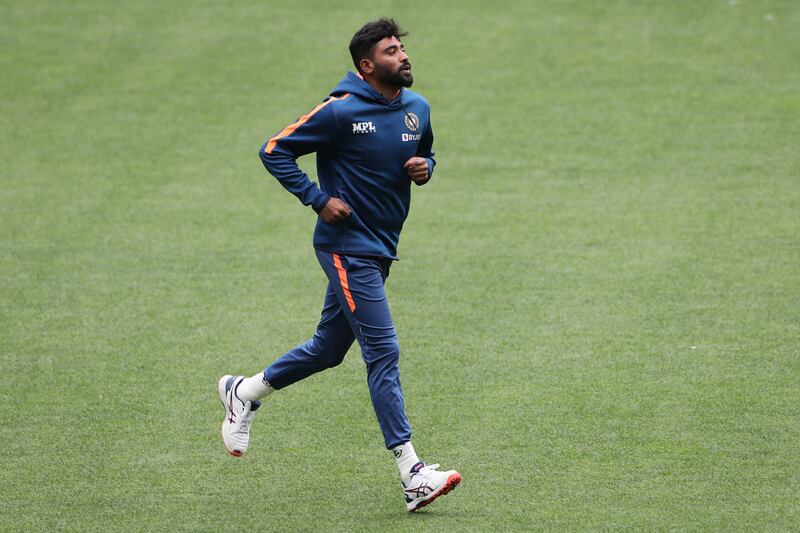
(362, 141)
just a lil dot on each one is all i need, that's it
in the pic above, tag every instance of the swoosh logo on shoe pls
(232, 416)
(420, 491)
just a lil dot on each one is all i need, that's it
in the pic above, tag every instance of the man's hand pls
(335, 211)
(417, 170)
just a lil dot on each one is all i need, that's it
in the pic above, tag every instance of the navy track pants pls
(355, 308)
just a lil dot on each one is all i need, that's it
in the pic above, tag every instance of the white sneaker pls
(238, 415)
(427, 484)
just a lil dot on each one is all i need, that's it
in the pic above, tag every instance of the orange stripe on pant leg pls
(343, 280)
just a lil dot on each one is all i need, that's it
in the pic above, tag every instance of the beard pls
(399, 78)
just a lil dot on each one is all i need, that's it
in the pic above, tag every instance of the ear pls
(366, 65)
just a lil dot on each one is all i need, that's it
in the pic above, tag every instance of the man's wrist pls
(430, 164)
(320, 202)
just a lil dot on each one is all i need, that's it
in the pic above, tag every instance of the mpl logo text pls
(363, 127)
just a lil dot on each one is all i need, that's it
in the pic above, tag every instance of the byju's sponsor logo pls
(411, 137)
(363, 127)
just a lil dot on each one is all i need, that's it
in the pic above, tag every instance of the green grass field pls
(598, 300)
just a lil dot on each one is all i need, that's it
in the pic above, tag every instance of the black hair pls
(362, 45)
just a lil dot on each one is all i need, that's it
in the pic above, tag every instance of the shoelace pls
(425, 471)
(419, 478)
(245, 418)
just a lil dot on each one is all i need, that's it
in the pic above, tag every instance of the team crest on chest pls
(412, 121)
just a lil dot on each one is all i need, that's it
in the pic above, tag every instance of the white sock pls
(406, 457)
(253, 388)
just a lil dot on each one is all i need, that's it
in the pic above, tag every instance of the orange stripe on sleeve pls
(288, 130)
(337, 262)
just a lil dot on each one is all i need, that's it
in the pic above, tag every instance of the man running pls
(372, 137)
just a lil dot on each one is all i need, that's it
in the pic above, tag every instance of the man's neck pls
(390, 92)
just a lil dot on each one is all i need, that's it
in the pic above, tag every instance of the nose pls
(403, 56)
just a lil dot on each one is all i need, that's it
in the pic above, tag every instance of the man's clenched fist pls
(417, 170)
(335, 211)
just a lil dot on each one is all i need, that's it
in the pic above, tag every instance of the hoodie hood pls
(353, 84)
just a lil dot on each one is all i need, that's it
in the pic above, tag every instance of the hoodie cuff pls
(320, 200)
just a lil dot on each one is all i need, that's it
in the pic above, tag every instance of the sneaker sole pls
(223, 398)
(452, 482)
